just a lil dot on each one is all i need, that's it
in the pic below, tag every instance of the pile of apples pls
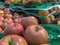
(21, 30)
(52, 18)
(27, 2)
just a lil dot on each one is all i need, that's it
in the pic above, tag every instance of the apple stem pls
(14, 24)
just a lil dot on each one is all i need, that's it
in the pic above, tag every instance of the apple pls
(7, 23)
(13, 40)
(1, 11)
(25, 2)
(36, 1)
(15, 1)
(43, 12)
(8, 16)
(17, 20)
(54, 8)
(8, 20)
(36, 35)
(52, 17)
(31, 20)
(58, 9)
(51, 10)
(1, 18)
(16, 16)
(16, 28)
(58, 22)
(1, 7)
(7, 11)
(7, 3)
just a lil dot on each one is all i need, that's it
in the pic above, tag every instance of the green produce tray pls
(1, 35)
(53, 33)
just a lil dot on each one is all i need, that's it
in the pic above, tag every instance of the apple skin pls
(7, 11)
(13, 40)
(7, 3)
(50, 10)
(58, 22)
(8, 16)
(16, 16)
(1, 18)
(1, 8)
(36, 35)
(1, 13)
(52, 17)
(54, 8)
(31, 20)
(25, 2)
(8, 20)
(43, 13)
(17, 20)
(16, 29)
(6, 23)
(15, 1)
(58, 9)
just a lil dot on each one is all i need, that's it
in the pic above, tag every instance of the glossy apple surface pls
(36, 35)
(16, 28)
(13, 40)
(31, 20)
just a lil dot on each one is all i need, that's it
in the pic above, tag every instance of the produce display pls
(29, 22)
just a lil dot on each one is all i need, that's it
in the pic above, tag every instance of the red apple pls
(7, 23)
(26, 21)
(7, 11)
(8, 16)
(36, 35)
(16, 16)
(7, 3)
(2, 14)
(13, 40)
(50, 10)
(1, 18)
(14, 29)
(17, 20)
(1, 7)
(58, 9)
(8, 20)
(54, 8)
